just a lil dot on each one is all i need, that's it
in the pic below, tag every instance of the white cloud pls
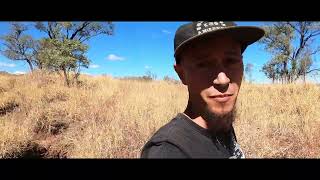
(94, 66)
(19, 72)
(113, 57)
(86, 73)
(7, 65)
(166, 31)
(147, 67)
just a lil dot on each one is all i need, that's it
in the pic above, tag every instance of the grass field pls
(112, 118)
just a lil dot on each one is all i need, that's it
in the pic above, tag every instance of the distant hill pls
(9, 74)
(4, 73)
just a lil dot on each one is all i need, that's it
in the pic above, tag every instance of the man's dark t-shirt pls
(183, 138)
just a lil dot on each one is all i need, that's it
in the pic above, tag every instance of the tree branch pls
(89, 37)
(49, 30)
(85, 24)
(294, 27)
(315, 33)
(315, 51)
(318, 69)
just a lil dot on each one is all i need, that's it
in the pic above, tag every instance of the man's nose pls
(221, 79)
(221, 82)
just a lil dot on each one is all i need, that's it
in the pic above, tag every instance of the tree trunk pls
(66, 77)
(40, 66)
(285, 72)
(304, 78)
(30, 65)
(290, 78)
(76, 77)
(77, 74)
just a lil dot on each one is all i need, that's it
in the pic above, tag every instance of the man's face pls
(213, 71)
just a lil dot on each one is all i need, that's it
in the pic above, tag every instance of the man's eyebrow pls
(233, 53)
(200, 56)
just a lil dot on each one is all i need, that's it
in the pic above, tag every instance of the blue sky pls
(138, 47)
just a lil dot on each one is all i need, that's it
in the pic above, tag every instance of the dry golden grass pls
(279, 120)
(111, 118)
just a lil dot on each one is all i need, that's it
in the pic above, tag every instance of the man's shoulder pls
(163, 150)
(173, 132)
(175, 127)
(165, 141)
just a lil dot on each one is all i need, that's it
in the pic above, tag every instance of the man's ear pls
(179, 70)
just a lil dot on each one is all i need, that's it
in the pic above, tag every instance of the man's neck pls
(195, 116)
(214, 126)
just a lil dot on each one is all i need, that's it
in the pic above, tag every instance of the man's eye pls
(233, 60)
(201, 65)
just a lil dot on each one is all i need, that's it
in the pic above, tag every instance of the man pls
(209, 62)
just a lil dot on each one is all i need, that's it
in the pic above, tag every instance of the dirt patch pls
(29, 151)
(2, 90)
(51, 128)
(59, 96)
(9, 107)
(34, 150)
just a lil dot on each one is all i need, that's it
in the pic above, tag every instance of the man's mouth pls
(221, 97)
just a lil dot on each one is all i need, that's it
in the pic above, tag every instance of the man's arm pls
(164, 150)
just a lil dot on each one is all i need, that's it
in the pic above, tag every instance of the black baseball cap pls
(189, 32)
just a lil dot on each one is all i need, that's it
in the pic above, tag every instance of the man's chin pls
(221, 112)
(220, 120)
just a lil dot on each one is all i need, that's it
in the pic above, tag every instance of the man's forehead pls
(210, 54)
(212, 47)
(210, 51)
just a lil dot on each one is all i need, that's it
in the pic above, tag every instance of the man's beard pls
(219, 123)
